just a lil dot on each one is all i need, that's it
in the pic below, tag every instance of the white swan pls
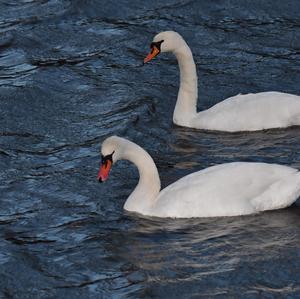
(223, 190)
(249, 112)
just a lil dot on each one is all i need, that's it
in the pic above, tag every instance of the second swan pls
(249, 112)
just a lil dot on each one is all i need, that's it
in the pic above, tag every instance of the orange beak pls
(104, 171)
(154, 52)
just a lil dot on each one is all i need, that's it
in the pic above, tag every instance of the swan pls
(248, 112)
(229, 189)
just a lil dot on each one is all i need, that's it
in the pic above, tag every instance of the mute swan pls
(223, 190)
(249, 112)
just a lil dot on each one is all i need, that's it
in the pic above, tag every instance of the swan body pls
(230, 189)
(249, 112)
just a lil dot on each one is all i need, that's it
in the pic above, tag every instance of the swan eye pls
(106, 164)
(156, 44)
(105, 159)
(155, 50)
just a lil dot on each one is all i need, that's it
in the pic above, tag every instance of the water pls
(71, 74)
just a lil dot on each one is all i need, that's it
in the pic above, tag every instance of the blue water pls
(71, 74)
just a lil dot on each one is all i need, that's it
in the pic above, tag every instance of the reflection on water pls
(71, 74)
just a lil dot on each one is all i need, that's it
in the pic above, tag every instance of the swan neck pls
(148, 187)
(186, 105)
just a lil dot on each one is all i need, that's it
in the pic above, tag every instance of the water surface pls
(71, 74)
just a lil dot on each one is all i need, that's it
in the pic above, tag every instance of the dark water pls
(70, 75)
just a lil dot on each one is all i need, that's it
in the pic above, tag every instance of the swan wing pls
(229, 189)
(251, 112)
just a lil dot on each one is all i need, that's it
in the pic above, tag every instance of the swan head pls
(166, 41)
(111, 152)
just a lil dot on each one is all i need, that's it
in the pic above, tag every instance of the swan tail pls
(279, 195)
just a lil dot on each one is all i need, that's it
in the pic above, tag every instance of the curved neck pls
(186, 105)
(148, 187)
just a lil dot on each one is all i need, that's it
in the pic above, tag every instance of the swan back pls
(230, 189)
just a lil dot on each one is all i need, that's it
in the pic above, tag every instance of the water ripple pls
(72, 74)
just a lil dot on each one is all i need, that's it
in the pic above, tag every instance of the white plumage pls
(230, 189)
(249, 112)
